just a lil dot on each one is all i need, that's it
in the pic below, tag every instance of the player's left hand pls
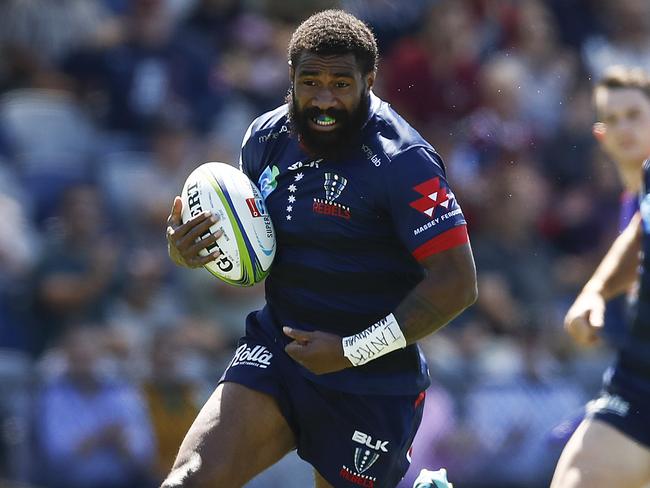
(319, 352)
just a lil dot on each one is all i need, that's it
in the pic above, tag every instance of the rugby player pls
(373, 255)
(611, 447)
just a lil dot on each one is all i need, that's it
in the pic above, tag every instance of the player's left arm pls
(448, 289)
(431, 225)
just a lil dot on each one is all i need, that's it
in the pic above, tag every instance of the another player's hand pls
(182, 238)
(319, 352)
(586, 318)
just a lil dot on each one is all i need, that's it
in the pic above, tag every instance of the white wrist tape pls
(380, 338)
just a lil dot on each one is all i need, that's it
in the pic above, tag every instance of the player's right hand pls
(585, 318)
(182, 237)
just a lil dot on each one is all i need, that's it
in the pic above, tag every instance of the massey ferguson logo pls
(432, 196)
(334, 186)
(258, 356)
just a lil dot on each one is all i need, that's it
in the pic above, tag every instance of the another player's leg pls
(238, 433)
(599, 456)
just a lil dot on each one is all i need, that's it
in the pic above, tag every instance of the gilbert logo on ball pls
(247, 246)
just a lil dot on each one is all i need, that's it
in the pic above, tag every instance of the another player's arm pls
(616, 273)
(448, 289)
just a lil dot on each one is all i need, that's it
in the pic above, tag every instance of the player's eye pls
(309, 82)
(342, 84)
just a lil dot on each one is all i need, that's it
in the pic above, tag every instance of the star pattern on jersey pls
(433, 195)
(291, 198)
(298, 177)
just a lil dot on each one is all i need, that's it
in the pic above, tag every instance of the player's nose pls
(324, 99)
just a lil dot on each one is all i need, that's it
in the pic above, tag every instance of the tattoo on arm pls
(419, 316)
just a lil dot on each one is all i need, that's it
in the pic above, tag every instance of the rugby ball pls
(248, 243)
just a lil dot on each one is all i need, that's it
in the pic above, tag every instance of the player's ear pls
(292, 71)
(598, 130)
(370, 79)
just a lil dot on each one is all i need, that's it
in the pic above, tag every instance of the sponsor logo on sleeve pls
(433, 195)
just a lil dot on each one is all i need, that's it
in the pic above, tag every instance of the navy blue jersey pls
(635, 353)
(350, 234)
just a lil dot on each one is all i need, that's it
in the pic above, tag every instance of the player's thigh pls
(599, 456)
(238, 433)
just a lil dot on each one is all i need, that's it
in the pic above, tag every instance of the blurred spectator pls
(626, 40)
(146, 305)
(432, 77)
(50, 30)
(140, 184)
(390, 21)
(549, 69)
(173, 400)
(80, 268)
(215, 21)
(91, 431)
(155, 69)
(50, 141)
(509, 419)
(19, 251)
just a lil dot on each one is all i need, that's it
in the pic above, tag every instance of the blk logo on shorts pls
(258, 356)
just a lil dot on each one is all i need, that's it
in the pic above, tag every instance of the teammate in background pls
(373, 255)
(611, 447)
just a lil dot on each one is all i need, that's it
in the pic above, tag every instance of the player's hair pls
(624, 77)
(335, 32)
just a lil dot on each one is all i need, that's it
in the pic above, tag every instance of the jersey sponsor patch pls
(267, 182)
(433, 195)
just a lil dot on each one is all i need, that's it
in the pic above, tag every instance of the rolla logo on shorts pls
(257, 356)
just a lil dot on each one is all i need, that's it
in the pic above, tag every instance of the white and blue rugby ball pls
(248, 243)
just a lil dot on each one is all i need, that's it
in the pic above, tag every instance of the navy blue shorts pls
(351, 440)
(624, 403)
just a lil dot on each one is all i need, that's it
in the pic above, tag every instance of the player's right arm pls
(615, 275)
(182, 243)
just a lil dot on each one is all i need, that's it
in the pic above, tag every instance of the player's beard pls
(333, 145)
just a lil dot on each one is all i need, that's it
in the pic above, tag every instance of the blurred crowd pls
(107, 350)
